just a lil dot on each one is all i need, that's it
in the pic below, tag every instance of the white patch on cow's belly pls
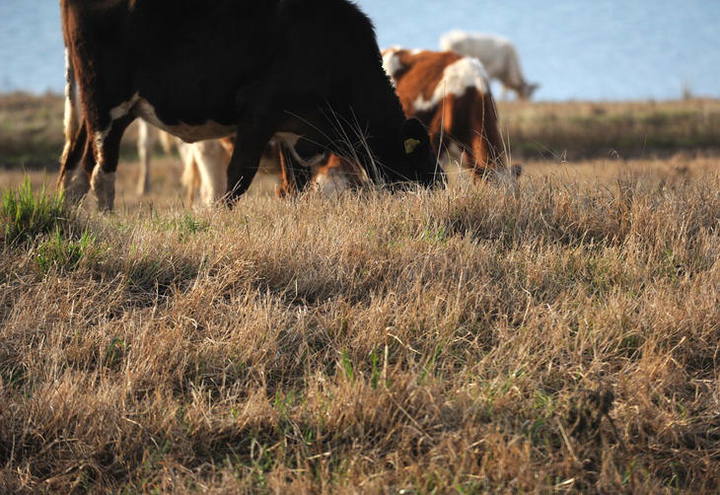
(124, 108)
(457, 77)
(186, 132)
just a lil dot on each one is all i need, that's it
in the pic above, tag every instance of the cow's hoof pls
(103, 184)
(74, 186)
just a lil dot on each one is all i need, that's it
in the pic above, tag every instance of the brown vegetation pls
(561, 337)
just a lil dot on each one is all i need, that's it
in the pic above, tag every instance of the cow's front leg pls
(106, 153)
(249, 147)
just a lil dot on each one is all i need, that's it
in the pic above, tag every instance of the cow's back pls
(493, 51)
(195, 60)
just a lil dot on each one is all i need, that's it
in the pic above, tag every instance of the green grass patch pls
(26, 215)
(62, 254)
(186, 226)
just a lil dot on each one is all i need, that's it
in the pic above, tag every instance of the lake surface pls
(576, 49)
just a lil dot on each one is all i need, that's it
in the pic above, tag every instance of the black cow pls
(203, 69)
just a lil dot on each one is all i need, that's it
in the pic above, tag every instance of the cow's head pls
(412, 159)
(336, 174)
(527, 90)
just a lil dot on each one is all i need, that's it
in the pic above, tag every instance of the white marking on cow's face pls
(331, 182)
(466, 73)
(186, 132)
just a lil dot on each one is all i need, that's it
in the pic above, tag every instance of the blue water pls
(576, 49)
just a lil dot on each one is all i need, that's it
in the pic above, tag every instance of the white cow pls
(147, 136)
(497, 54)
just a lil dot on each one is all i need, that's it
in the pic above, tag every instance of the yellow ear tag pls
(410, 145)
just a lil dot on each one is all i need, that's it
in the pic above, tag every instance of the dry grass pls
(560, 338)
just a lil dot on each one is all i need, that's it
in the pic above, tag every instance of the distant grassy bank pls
(582, 130)
(31, 129)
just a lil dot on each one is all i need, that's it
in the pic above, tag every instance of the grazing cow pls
(497, 54)
(450, 94)
(202, 70)
(205, 168)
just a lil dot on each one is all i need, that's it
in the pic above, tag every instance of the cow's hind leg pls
(191, 176)
(106, 147)
(146, 142)
(211, 159)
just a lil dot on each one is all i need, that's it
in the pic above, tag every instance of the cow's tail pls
(71, 121)
(75, 136)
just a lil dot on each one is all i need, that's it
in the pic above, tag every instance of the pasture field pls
(560, 337)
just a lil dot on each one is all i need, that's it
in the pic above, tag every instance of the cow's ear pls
(411, 145)
(414, 137)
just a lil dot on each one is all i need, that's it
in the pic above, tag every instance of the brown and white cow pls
(202, 70)
(450, 94)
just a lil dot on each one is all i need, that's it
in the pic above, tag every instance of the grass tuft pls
(63, 254)
(26, 215)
